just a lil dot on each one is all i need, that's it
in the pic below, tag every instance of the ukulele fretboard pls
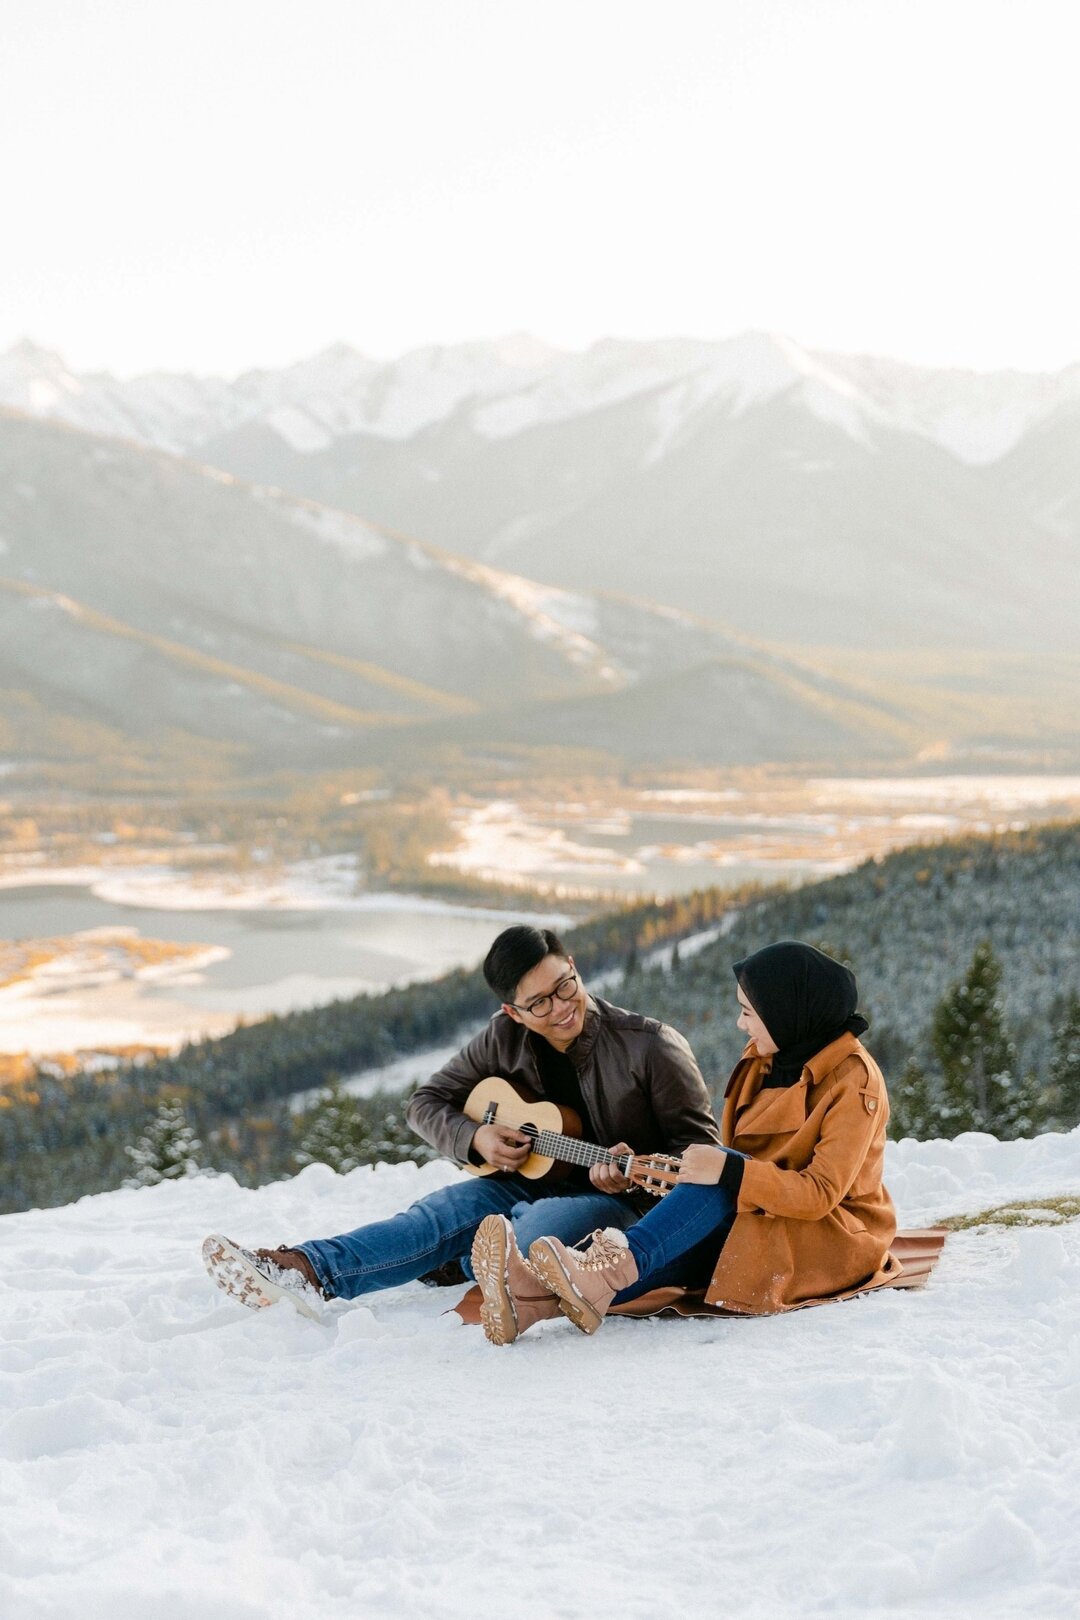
(570, 1150)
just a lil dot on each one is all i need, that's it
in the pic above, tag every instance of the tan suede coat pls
(814, 1219)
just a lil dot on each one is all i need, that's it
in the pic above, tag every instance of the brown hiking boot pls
(449, 1275)
(514, 1298)
(586, 1280)
(287, 1259)
(260, 1277)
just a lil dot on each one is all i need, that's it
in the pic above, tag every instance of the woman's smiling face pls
(752, 1026)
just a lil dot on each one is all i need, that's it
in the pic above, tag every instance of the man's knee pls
(461, 1198)
(571, 1219)
(527, 1219)
(549, 1217)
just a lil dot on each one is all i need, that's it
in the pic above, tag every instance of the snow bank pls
(324, 883)
(164, 1452)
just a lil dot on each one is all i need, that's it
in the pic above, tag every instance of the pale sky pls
(221, 184)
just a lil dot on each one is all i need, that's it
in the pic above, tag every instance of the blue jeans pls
(677, 1243)
(441, 1227)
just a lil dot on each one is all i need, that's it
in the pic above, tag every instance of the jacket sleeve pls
(847, 1131)
(434, 1109)
(678, 1094)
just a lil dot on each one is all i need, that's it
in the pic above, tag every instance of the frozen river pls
(259, 960)
(244, 945)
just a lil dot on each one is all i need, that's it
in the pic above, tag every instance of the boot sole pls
(547, 1265)
(489, 1252)
(238, 1278)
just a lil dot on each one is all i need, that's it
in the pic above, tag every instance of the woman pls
(792, 1211)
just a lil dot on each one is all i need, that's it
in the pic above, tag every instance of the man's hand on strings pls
(606, 1177)
(505, 1149)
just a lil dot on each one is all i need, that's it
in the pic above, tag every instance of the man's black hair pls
(515, 953)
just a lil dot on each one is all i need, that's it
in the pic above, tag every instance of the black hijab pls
(804, 999)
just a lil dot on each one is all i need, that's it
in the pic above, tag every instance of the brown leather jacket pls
(639, 1080)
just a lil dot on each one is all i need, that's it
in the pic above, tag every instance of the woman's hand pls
(702, 1166)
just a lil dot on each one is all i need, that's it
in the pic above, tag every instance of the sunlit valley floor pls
(170, 925)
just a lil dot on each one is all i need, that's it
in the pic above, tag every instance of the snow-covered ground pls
(88, 993)
(166, 1453)
(824, 826)
(117, 985)
(325, 883)
(500, 843)
(972, 795)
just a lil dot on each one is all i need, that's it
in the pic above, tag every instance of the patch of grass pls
(1025, 1212)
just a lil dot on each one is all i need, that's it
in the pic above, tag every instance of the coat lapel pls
(779, 1111)
(830, 1057)
(774, 1112)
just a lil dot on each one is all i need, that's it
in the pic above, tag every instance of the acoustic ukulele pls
(556, 1136)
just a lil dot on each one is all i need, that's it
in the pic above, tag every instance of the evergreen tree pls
(392, 1139)
(167, 1149)
(1023, 1111)
(333, 1132)
(344, 1132)
(978, 1061)
(914, 1111)
(1064, 1093)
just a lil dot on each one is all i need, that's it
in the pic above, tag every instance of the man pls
(630, 1078)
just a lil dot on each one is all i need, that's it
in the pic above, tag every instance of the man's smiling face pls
(554, 988)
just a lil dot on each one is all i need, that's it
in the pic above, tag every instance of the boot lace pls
(604, 1250)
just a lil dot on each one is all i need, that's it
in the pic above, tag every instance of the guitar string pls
(570, 1149)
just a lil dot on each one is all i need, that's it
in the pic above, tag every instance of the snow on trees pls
(343, 1132)
(166, 1150)
(914, 1108)
(1064, 1089)
(981, 1090)
(333, 1132)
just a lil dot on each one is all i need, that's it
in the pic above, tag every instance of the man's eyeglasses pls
(565, 990)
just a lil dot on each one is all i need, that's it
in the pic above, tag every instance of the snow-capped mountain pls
(308, 405)
(509, 385)
(810, 498)
(145, 596)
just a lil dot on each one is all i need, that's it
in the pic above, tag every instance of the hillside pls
(909, 924)
(193, 1446)
(809, 498)
(153, 606)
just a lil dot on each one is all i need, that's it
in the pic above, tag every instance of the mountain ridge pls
(815, 498)
(157, 596)
(754, 364)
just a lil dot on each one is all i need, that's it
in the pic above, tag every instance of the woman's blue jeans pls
(441, 1227)
(677, 1243)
